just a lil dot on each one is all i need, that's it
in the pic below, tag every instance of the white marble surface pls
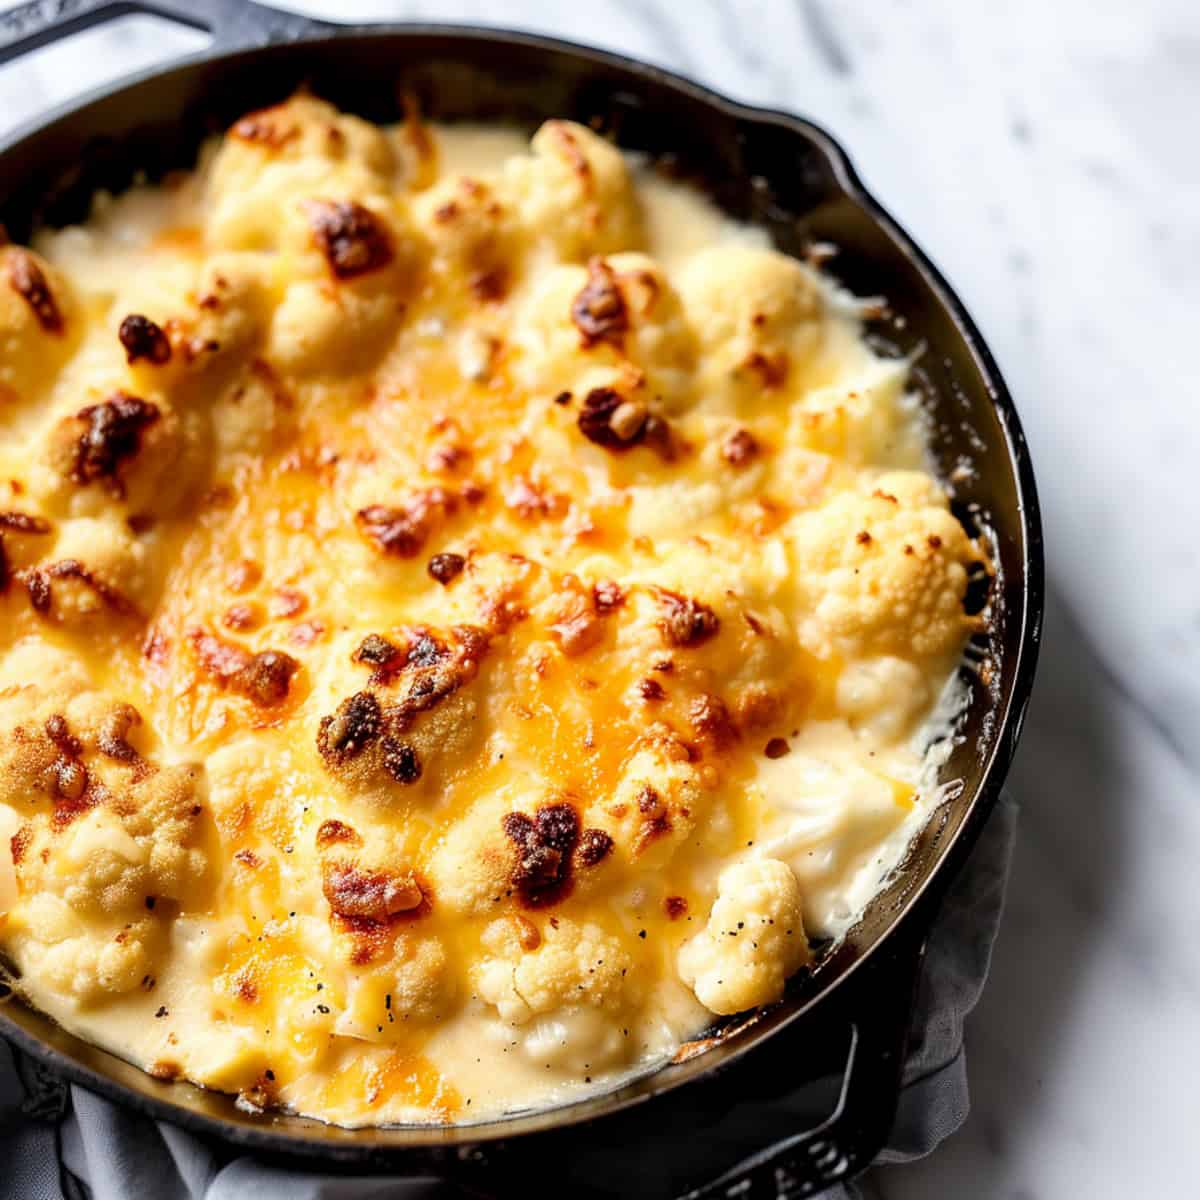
(1046, 154)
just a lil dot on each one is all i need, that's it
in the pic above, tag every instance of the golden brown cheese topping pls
(469, 613)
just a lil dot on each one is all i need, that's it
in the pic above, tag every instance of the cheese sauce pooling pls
(467, 614)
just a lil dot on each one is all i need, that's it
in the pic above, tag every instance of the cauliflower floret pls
(234, 295)
(137, 451)
(753, 941)
(38, 324)
(883, 573)
(97, 569)
(139, 842)
(74, 959)
(575, 191)
(616, 323)
(473, 234)
(865, 419)
(273, 157)
(351, 270)
(757, 314)
(121, 829)
(657, 803)
(528, 971)
(415, 985)
(472, 866)
(251, 415)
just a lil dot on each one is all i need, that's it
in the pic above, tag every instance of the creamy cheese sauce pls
(467, 617)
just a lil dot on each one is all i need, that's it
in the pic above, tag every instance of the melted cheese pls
(465, 608)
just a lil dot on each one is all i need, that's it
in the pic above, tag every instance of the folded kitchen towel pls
(61, 1142)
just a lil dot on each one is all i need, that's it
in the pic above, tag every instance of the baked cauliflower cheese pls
(469, 613)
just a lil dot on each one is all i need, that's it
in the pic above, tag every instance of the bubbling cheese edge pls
(469, 612)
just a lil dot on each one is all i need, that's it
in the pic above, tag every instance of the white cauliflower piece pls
(616, 323)
(74, 958)
(38, 324)
(757, 314)
(351, 269)
(112, 858)
(472, 866)
(564, 966)
(473, 233)
(575, 191)
(753, 941)
(276, 156)
(883, 573)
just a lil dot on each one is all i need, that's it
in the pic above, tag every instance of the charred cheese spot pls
(352, 238)
(26, 278)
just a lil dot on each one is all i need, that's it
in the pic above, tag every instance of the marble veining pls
(1045, 155)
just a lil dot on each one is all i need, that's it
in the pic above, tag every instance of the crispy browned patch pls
(771, 369)
(266, 679)
(439, 670)
(675, 907)
(544, 842)
(143, 339)
(446, 567)
(374, 895)
(270, 128)
(579, 625)
(532, 500)
(758, 705)
(353, 239)
(739, 447)
(776, 747)
(26, 523)
(599, 311)
(595, 845)
(403, 530)
(489, 284)
(38, 581)
(711, 722)
(432, 667)
(357, 722)
(685, 621)
(607, 595)
(29, 281)
(573, 154)
(106, 435)
(113, 736)
(401, 760)
(17, 523)
(263, 678)
(654, 820)
(618, 423)
(19, 842)
(528, 934)
(331, 832)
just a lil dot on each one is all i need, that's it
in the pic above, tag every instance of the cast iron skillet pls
(817, 1076)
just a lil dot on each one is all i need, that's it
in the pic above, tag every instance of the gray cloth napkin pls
(63, 1143)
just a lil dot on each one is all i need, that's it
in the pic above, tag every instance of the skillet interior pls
(775, 171)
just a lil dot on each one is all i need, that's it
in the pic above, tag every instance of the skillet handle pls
(231, 23)
(879, 1014)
